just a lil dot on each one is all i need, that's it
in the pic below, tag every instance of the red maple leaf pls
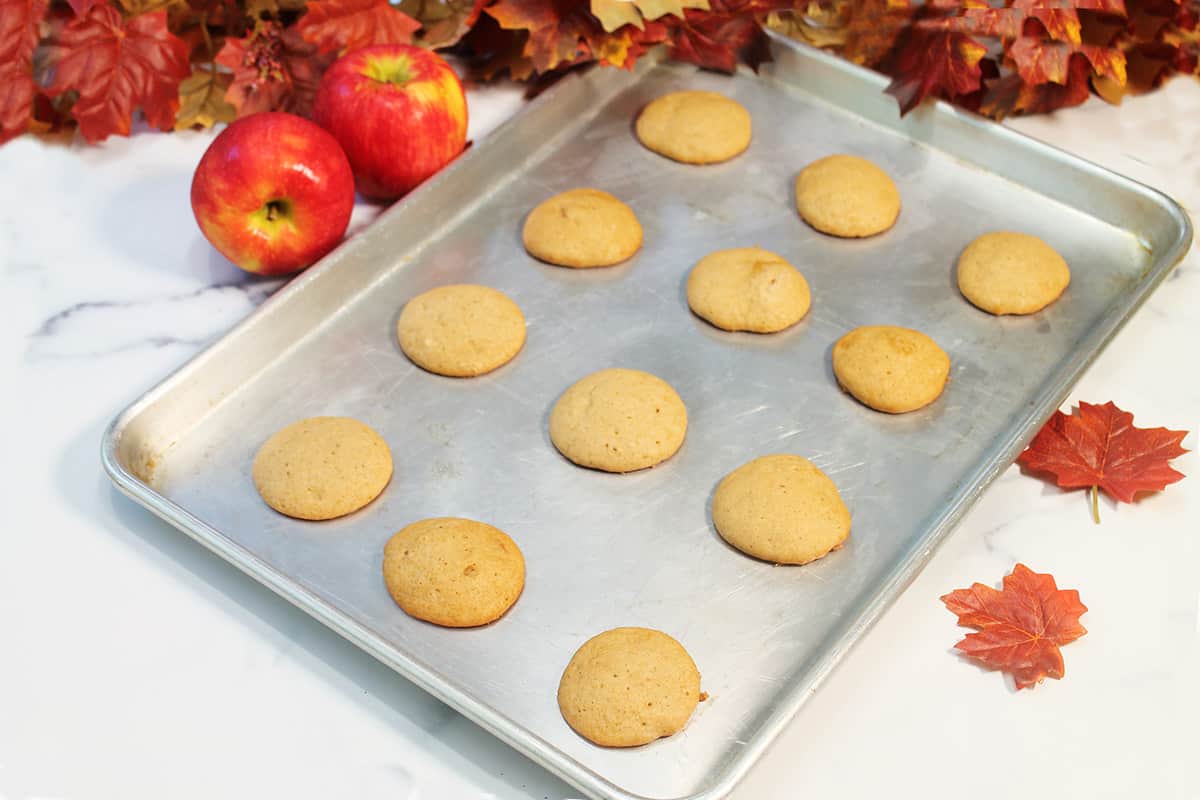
(339, 25)
(273, 70)
(1098, 447)
(716, 39)
(81, 7)
(1021, 627)
(935, 62)
(117, 66)
(19, 20)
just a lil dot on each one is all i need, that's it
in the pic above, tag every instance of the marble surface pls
(133, 664)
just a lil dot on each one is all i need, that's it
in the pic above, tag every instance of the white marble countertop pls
(134, 664)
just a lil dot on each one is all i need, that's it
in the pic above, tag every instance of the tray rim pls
(521, 739)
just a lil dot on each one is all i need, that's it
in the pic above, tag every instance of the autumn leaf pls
(1021, 627)
(717, 39)
(862, 31)
(19, 20)
(934, 63)
(273, 70)
(615, 13)
(202, 101)
(1098, 447)
(335, 26)
(562, 33)
(118, 66)
(1039, 61)
(443, 22)
(1010, 23)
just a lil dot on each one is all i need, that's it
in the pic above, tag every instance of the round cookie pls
(1011, 273)
(748, 289)
(695, 127)
(322, 467)
(629, 686)
(780, 508)
(847, 196)
(890, 369)
(618, 420)
(461, 331)
(582, 228)
(453, 572)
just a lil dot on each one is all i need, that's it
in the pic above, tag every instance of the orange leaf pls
(1021, 627)
(1039, 61)
(340, 25)
(721, 36)
(1098, 446)
(564, 32)
(17, 91)
(936, 63)
(559, 30)
(117, 66)
(1010, 23)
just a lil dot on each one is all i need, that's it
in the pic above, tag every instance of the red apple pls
(399, 113)
(273, 193)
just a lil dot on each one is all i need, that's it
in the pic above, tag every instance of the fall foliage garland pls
(191, 63)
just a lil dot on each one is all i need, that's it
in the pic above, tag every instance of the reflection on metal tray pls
(609, 550)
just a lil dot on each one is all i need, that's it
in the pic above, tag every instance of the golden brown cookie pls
(780, 508)
(461, 331)
(322, 467)
(890, 369)
(582, 228)
(629, 686)
(1011, 273)
(453, 572)
(748, 289)
(695, 127)
(618, 420)
(847, 196)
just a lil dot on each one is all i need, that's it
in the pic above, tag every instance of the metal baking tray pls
(608, 550)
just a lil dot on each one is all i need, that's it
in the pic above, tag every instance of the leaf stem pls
(1095, 492)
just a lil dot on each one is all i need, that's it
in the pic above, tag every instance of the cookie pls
(582, 228)
(1011, 273)
(461, 331)
(322, 467)
(890, 369)
(629, 686)
(780, 508)
(847, 196)
(453, 572)
(618, 420)
(694, 127)
(748, 289)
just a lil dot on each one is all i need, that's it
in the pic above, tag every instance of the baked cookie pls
(618, 420)
(847, 196)
(629, 686)
(694, 127)
(461, 331)
(1011, 273)
(322, 467)
(453, 572)
(780, 508)
(748, 289)
(890, 369)
(582, 228)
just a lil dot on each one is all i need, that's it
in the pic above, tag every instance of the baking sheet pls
(607, 550)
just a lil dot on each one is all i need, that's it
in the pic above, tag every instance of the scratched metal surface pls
(606, 550)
